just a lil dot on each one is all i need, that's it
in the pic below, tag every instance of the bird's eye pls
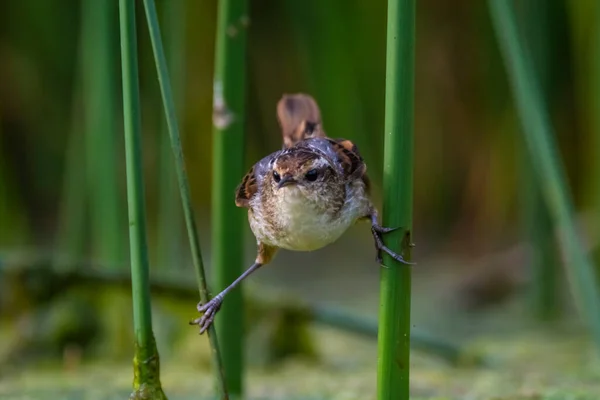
(312, 175)
(276, 176)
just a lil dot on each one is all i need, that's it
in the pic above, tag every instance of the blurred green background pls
(466, 129)
(475, 204)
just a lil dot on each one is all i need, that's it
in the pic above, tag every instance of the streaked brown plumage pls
(304, 196)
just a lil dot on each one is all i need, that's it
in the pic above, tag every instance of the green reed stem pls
(99, 99)
(71, 237)
(184, 187)
(170, 214)
(228, 168)
(146, 382)
(394, 312)
(537, 222)
(546, 161)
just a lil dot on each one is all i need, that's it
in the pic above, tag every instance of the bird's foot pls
(210, 310)
(378, 231)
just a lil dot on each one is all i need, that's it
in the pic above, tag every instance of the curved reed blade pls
(170, 215)
(184, 187)
(546, 161)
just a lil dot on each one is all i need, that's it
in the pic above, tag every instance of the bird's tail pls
(299, 117)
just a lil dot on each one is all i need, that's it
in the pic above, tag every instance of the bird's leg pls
(379, 230)
(210, 309)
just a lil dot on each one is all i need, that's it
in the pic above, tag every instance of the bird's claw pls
(377, 231)
(382, 229)
(209, 311)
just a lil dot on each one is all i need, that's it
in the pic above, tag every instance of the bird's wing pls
(249, 185)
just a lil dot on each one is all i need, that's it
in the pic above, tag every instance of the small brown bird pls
(305, 196)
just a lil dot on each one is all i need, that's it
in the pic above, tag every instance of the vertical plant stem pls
(169, 214)
(228, 168)
(394, 311)
(146, 382)
(71, 236)
(536, 219)
(184, 187)
(99, 97)
(546, 161)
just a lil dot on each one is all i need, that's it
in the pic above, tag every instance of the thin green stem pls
(170, 214)
(228, 168)
(146, 361)
(99, 96)
(135, 185)
(184, 187)
(394, 313)
(546, 161)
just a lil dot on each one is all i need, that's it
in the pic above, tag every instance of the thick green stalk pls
(228, 168)
(71, 237)
(99, 98)
(169, 214)
(546, 161)
(184, 187)
(146, 382)
(537, 224)
(394, 312)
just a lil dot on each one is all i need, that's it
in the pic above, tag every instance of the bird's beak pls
(286, 180)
